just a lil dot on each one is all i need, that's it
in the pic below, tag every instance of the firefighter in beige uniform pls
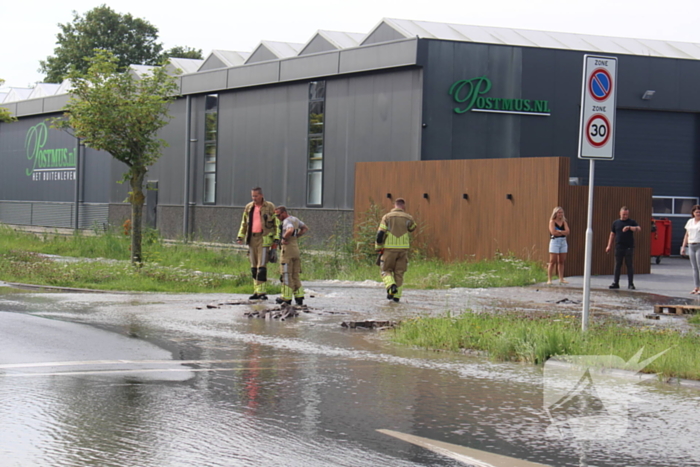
(393, 243)
(290, 261)
(259, 230)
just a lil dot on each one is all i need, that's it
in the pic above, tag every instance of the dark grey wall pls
(373, 117)
(17, 161)
(263, 139)
(263, 142)
(448, 135)
(649, 133)
(657, 141)
(170, 168)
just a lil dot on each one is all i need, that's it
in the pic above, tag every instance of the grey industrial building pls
(295, 118)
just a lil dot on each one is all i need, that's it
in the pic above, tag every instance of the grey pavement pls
(672, 278)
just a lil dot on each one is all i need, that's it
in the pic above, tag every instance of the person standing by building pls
(260, 231)
(558, 248)
(691, 241)
(622, 233)
(290, 261)
(393, 244)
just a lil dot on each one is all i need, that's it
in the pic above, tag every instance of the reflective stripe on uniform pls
(398, 243)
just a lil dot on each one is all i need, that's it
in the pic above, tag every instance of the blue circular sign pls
(600, 84)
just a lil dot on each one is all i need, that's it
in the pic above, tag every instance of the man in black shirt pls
(622, 233)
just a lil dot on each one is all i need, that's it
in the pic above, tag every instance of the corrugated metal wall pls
(47, 214)
(488, 221)
(263, 135)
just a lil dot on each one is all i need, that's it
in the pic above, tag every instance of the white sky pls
(28, 28)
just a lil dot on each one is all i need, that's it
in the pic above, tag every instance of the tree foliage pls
(111, 111)
(5, 115)
(181, 52)
(131, 40)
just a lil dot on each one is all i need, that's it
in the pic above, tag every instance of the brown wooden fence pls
(476, 208)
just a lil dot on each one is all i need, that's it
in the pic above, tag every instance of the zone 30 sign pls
(598, 102)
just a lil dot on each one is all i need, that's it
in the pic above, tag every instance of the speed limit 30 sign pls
(598, 102)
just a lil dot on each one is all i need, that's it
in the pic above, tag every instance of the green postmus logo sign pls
(47, 164)
(471, 95)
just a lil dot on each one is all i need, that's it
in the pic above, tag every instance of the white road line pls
(114, 362)
(469, 456)
(150, 370)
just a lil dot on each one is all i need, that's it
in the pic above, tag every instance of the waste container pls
(660, 238)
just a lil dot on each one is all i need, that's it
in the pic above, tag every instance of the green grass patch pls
(694, 320)
(428, 273)
(534, 339)
(187, 267)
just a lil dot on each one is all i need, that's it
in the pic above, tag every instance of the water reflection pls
(307, 393)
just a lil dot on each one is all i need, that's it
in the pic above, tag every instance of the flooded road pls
(161, 380)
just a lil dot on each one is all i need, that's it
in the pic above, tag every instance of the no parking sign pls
(598, 102)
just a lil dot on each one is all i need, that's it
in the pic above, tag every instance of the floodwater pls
(160, 380)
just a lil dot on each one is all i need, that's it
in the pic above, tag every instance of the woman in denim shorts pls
(558, 230)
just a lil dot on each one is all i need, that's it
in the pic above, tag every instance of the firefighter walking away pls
(392, 244)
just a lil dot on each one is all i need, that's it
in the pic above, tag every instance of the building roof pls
(324, 41)
(271, 50)
(139, 71)
(223, 59)
(343, 40)
(17, 94)
(389, 30)
(185, 65)
(44, 90)
(533, 38)
(66, 86)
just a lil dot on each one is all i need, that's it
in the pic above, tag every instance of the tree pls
(133, 41)
(111, 111)
(5, 115)
(181, 52)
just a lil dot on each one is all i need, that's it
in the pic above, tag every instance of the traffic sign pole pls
(589, 250)
(596, 141)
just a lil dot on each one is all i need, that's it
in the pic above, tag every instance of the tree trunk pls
(137, 200)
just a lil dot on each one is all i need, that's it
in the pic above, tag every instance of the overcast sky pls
(28, 28)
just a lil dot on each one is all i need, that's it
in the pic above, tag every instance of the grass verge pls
(190, 268)
(534, 339)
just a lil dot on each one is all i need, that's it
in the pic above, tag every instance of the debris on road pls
(233, 303)
(370, 324)
(281, 312)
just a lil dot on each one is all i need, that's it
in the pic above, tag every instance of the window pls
(669, 206)
(211, 124)
(314, 168)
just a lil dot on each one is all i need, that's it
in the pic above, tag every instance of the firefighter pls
(260, 231)
(393, 243)
(290, 260)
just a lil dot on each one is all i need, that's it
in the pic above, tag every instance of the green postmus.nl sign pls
(46, 163)
(471, 95)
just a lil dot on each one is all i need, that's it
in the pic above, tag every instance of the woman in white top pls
(691, 241)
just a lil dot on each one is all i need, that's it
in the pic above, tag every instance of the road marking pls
(150, 370)
(472, 457)
(113, 362)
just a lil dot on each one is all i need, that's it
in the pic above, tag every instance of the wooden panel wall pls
(487, 221)
(607, 202)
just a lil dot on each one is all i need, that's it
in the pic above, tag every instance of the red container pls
(660, 238)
